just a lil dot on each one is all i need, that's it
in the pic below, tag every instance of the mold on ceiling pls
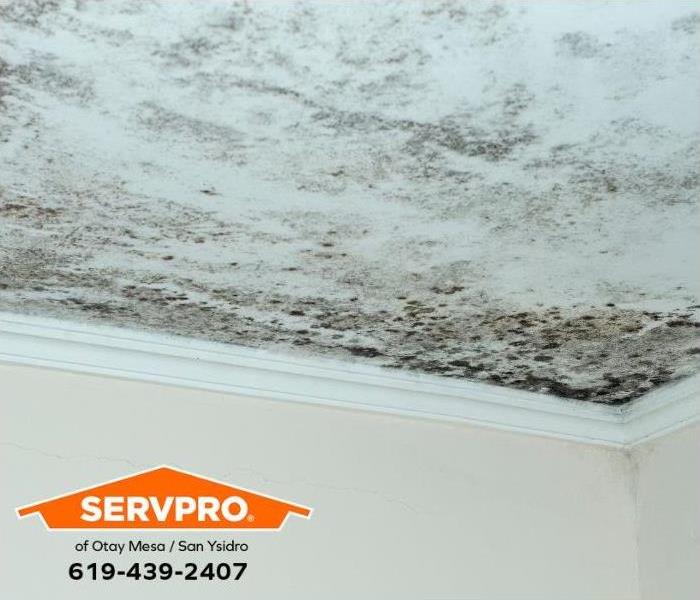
(501, 192)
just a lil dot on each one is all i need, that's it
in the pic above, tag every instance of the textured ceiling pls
(503, 192)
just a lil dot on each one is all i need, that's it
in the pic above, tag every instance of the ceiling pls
(498, 192)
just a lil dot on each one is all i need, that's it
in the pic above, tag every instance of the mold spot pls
(579, 44)
(363, 351)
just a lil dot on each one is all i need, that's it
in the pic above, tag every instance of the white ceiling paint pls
(496, 192)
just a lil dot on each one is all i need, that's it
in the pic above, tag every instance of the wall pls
(668, 484)
(403, 508)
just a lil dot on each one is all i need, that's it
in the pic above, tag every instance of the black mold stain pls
(28, 12)
(606, 355)
(690, 24)
(451, 328)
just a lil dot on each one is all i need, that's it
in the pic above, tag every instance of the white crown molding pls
(98, 350)
(662, 411)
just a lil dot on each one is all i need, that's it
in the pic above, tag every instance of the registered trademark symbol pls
(250, 518)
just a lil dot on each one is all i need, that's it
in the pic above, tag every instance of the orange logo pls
(164, 498)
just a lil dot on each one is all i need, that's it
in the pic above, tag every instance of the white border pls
(36, 505)
(38, 341)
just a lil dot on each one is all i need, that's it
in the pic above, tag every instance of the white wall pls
(668, 508)
(403, 508)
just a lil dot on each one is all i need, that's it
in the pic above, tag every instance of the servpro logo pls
(164, 498)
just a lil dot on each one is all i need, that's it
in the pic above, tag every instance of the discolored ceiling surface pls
(493, 191)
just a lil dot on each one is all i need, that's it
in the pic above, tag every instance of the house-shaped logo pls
(164, 498)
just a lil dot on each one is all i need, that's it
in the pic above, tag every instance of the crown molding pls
(141, 356)
(661, 411)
